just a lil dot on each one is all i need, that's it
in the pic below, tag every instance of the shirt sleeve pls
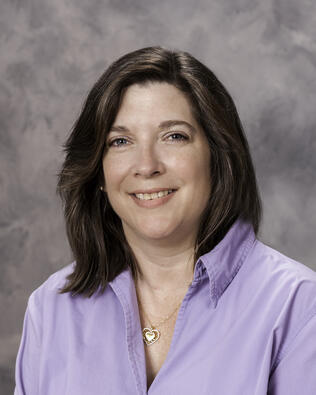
(28, 357)
(296, 371)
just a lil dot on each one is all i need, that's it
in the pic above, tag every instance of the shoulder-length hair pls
(94, 230)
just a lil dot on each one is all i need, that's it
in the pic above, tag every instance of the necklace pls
(152, 334)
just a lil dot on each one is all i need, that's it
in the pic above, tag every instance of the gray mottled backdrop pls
(51, 54)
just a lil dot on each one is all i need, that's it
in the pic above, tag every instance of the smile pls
(152, 196)
(153, 200)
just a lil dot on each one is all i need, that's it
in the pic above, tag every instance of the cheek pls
(193, 165)
(198, 172)
(113, 172)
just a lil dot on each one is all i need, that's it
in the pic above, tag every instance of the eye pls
(118, 142)
(177, 137)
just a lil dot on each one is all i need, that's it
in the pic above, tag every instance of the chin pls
(156, 232)
(152, 230)
(156, 235)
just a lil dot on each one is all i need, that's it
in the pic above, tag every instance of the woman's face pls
(154, 146)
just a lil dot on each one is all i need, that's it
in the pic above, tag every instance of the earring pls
(101, 188)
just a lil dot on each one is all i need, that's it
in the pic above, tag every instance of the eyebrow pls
(162, 125)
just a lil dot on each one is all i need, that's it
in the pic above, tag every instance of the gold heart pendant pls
(150, 335)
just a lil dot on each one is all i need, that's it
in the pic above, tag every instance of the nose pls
(148, 162)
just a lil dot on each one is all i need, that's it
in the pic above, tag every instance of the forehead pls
(155, 100)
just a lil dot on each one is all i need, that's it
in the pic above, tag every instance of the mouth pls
(153, 195)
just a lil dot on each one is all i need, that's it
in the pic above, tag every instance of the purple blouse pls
(246, 326)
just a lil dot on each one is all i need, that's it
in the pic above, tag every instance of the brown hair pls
(94, 230)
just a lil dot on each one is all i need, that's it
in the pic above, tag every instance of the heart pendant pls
(150, 335)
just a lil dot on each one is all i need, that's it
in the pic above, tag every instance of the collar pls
(223, 262)
(220, 265)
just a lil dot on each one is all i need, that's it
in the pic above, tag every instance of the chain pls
(165, 319)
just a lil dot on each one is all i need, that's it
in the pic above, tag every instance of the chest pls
(212, 351)
(157, 352)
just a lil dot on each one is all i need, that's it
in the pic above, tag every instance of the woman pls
(170, 291)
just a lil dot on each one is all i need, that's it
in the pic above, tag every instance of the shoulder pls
(283, 278)
(48, 291)
(280, 267)
(287, 290)
(56, 280)
(287, 286)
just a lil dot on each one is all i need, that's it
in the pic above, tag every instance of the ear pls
(101, 181)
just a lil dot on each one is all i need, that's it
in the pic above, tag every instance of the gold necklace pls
(152, 334)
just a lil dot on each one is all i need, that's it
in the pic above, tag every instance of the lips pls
(154, 190)
(152, 203)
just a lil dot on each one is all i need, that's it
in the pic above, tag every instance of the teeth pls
(151, 196)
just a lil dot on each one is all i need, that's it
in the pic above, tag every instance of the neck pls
(165, 266)
(164, 271)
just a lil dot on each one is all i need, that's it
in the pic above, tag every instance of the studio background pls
(52, 53)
